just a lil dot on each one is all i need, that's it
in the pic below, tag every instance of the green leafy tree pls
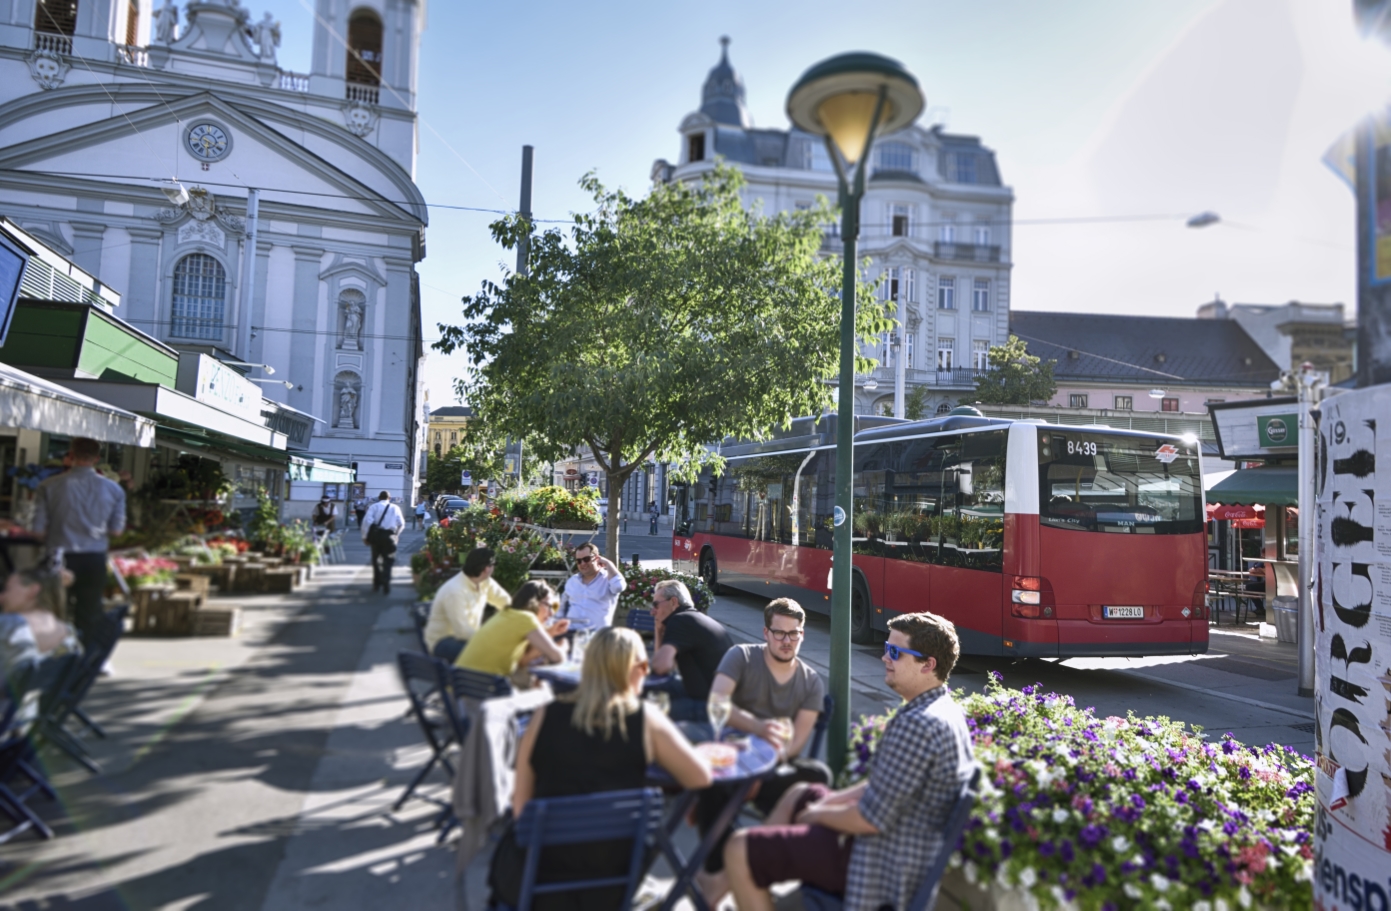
(479, 452)
(915, 405)
(1015, 377)
(654, 326)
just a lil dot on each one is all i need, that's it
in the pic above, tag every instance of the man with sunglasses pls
(688, 641)
(896, 816)
(768, 685)
(591, 594)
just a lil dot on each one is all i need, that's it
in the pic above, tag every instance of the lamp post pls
(848, 99)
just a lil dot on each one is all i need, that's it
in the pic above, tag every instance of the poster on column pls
(1352, 626)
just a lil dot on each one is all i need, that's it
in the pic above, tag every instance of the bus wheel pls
(861, 627)
(710, 573)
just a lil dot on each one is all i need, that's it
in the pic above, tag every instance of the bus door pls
(968, 537)
(873, 521)
(913, 490)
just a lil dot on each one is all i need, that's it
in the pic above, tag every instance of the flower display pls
(641, 581)
(145, 570)
(1084, 812)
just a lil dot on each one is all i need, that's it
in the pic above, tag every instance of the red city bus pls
(1036, 540)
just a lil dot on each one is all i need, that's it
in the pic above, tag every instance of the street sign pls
(492, 488)
(594, 479)
(466, 478)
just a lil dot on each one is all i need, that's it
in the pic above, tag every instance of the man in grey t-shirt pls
(765, 683)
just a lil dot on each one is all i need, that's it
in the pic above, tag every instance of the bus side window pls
(980, 500)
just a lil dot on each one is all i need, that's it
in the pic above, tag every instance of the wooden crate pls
(194, 582)
(250, 577)
(171, 615)
(142, 597)
(222, 576)
(219, 620)
(280, 580)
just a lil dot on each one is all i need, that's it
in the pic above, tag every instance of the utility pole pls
(248, 282)
(524, 210)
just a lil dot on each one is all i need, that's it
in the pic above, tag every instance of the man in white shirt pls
(591, 595)
(381, 529)
(457, 611)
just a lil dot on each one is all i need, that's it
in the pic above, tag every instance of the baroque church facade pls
(935, 221)
(141, 140)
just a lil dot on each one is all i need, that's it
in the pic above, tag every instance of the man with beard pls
(777, 696)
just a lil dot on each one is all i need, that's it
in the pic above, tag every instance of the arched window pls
(943, 408)
(347, 400)
(365, 48)
(56, 17)
(200, 295)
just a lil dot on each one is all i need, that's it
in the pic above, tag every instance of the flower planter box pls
(194, 582)
(280, 580)
(217, 621)
(222, 576)
(249, 577)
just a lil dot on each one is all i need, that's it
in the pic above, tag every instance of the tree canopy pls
(1015, 377)
(656, 325)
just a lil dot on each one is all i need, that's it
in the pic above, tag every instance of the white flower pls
(1060, 815)
(1120, 844)
(1203, 905)
(1027, 877)
(1207, 825)
(1243, 898)
(1220, 904)
(970, 872)
(1160, 882)
(1133, 891)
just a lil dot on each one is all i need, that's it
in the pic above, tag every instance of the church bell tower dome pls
(723, 97)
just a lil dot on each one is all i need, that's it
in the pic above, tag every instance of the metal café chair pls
(606, 816)
(641, 622)
(470, 684)
(925, 896)
(63, 701)
(426, 681)
(17, 759)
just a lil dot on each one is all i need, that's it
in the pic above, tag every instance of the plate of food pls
(721, 756)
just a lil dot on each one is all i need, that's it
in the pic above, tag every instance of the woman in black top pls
(603, 740)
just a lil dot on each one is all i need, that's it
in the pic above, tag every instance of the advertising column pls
(1352, 598)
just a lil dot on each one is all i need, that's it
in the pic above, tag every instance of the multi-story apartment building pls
(936, 221)
(133, 139)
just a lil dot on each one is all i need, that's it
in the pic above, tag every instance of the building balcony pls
(971, 253)
(131, 55)
(294, 82)
(368, 94)
(955, 378)
(49, 41)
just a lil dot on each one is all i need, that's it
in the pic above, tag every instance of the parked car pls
(449, 505)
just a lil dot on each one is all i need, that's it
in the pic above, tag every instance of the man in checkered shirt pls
(872, 842)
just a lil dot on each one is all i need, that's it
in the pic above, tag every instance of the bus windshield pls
(1123, 484)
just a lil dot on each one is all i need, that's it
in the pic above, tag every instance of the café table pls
(1225, 584)
(757, 757)
(565, 677)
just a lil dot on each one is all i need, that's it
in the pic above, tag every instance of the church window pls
(200, 296)
(57, 17)
(132, 22)
(695, 144)
(365, 48)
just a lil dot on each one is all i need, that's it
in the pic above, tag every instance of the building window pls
(347, 400)
(895, 156)
(898, 219)
(943, 408)
(965, 169)
(946, 292)
(980, 354)
(453, 437)
(437, 450)
(132, 22)
(946, 348)
(695, 147)
(57, 17)
(1077, 400)
(983, 236)
(364, 48)
(1168, 404)
(886, 351)
(1125, 403)
(200, 295)
(909, 362)
(948, 233)
(980, 295)
(898, 284)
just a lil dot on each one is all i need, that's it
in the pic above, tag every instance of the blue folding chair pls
(925, 896)
(641, 622)
(426, 681)
(635, 814)
(62, 701)
(470, 684)
(818, 733)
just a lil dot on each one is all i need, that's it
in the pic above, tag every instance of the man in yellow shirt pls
(457, 611)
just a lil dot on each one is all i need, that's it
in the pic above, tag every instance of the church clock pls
(207, 141)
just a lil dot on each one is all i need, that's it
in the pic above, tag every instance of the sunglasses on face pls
(589, 559)
(896, 652)
(785, 635)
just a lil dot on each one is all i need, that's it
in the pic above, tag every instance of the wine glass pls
(718, 708)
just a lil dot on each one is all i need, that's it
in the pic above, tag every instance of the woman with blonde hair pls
(601, 740)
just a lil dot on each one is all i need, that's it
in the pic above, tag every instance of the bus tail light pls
(1031, 597)
(1200, 600)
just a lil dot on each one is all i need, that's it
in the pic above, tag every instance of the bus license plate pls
(1127, 612)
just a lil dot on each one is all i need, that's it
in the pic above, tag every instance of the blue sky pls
(1094, 108)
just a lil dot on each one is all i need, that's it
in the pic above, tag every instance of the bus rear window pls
(1121, 484)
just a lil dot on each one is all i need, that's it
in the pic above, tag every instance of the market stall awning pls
(318, 471)
(163, 403)
(1273, 485)
(35, 403)
(1240, 516)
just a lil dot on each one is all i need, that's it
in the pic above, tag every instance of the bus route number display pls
(1081, 447)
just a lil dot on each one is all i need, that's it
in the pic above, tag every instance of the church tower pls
(368, 50)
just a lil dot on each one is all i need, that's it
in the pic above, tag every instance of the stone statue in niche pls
(166, 19)
(266, 34)
(352, 326)
(347, 407)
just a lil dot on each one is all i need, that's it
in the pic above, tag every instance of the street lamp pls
(848, 99)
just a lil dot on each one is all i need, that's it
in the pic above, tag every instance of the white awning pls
(34, 403)
(163, 402)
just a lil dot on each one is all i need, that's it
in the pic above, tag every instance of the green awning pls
(1270, 486)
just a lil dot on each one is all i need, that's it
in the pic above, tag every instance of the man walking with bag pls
(381, 529)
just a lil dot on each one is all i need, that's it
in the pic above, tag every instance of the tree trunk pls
(616, 480)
